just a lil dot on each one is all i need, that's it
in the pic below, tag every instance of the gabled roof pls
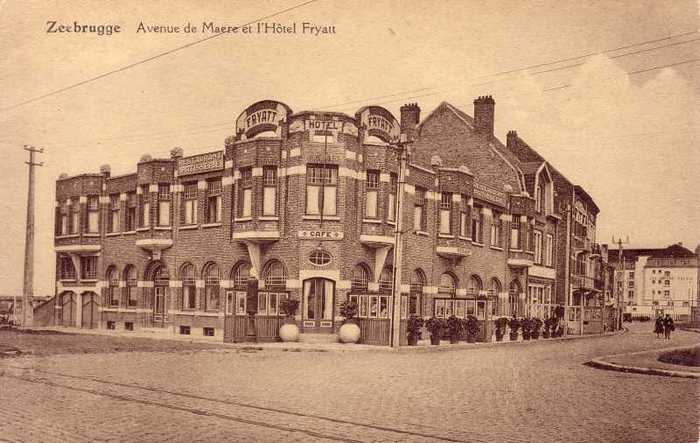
(673, 251)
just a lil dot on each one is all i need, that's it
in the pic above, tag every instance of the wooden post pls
(28, 288)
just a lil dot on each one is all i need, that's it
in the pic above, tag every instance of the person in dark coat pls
(659, 326)
(668, 326)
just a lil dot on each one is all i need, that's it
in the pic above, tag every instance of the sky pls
(627, 137)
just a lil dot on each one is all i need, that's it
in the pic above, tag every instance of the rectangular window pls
(445, 213)
(189, 207)
(114, 212)
(538, 246)
(145, 208)
(262, 303)
(549, 250)
(164, 198)
(464, 217)
(419, 210)
(477, 224)
(88, 267)
(630, 284)
(63, 220)
(321, 189)
(93, 214)
(245, 193)
(189, 292)
(131, 204)
(67, 270)
(75, 216)
(371, 198)
(496, 229)
(391, 206)
(214, 200)
(240, 303)
(270, 190)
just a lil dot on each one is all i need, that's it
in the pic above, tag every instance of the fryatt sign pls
(379, 123)
(263, 116)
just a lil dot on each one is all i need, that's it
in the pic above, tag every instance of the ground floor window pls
(371, 306)
(459, 307)
(269, 302)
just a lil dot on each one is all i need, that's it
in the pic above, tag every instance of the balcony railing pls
(583, 282)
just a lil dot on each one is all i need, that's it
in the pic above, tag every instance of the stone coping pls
(646, 362)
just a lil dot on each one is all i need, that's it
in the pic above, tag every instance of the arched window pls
(496, 290)
(211, 286)
(275, 275)
(361, 276)
(112, 286)
(130, 286)
(386, 281)
(189, 290)
(474, 285)
(513, 297)
(495, 287)
(240, 276)
(161, 277)
(448, 284)
(416, 293)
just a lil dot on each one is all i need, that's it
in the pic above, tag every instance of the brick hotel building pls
(304, 205)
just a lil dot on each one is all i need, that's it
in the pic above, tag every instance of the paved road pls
(516, 393)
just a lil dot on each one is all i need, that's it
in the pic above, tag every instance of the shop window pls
(245, 193)
(114, 212)
(213, 214)
(164, 198)
(93, 214)
(130, 286)
(445, 213)
(321, 189)
(416, 292)
(269, 190)
(371, 196)
(189, 289)
(371, 306)
(391, 206)
(112, 287)
(88, 267)
(477, 224)
(419, 222)
(189, 207)
(211, 287)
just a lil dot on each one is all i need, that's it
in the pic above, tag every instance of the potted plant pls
(289, 331)
(536, 324)
(500, 327)
(349, 331)
(559, 311)
(514, 325)
(526, 324)
(472, 328)
(435, 326)
(413, 327)
(547, 327)
(454, 329)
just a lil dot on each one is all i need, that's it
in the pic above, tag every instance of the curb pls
(601, 363)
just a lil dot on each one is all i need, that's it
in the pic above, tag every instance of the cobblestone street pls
(535, 392)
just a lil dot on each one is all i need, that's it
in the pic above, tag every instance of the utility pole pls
(623, 274)
(28, 290)
(402, 146)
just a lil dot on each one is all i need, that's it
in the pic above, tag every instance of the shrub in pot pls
(536, 325)
(455, 327)
(500, 327)
(349, 331)
(559, 311)
(526, 324)
(514, 325)
(435, 326)
(413, 327)
(289, 331)
(472, 328)
(547, 327)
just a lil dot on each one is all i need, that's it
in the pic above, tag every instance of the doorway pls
(318, 305)
(159, 306)
(90, 314)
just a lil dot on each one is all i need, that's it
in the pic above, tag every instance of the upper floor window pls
(496, 229)
(189, 206)
(515, 233)
(75, 216)
(145, 207)
(245, 193)
(93, 214)
(321, 189)
(88, 267)
(62, 228)
(213, 200)
(464, 217)
(391, 205)
(477, 224)
(66, 269)
(372, 194)
(114, 211)
(419, 221)
(541, 201)
(270, 190)
(164, 198)
(446, 213)
(549, 250)
(538, 246)
(131, 204)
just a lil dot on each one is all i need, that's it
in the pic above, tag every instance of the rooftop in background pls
(674, 250)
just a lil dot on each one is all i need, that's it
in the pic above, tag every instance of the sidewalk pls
(645, 362)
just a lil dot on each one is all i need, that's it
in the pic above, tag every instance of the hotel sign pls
(379, 123)
(212, 161)
(263, 116)
(486, 193)
(318, 234)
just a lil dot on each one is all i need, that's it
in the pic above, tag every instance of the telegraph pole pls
(623, 274)
(28, 290)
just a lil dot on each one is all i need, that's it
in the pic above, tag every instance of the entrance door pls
(159, 306)
(318, 305)
(90, 312)
(67, 307)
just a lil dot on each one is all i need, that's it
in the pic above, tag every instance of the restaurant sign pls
(489, 194)
(211, 161)
(379, 122)
(318, 234)
(263, 116)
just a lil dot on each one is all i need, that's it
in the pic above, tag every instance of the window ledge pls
(243, 219)
(372, 220)
(269, 218)
(423, 233)
(391, 222)
(318, 217)
(481, 245)
(143, 229)
(497, 248)
(129, 232)
(59, 237)
(187, 227)
(163, 228)
(68, 280)
(446, 236)
(112, 234)
(88, 280)
(465, 238)
(92, 234)
(211, 225)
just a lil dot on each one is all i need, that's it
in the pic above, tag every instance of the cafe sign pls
(211, 161)
(263, 116)
(489, 194)
(379, 123)
(319, 234)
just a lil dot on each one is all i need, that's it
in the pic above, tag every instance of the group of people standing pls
(664, 325)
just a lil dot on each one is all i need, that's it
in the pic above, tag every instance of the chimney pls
(483, 114)
(105, 170)
(410, 116)
(512, 140)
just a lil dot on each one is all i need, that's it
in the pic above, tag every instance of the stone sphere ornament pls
(289, 332)
(349, 333)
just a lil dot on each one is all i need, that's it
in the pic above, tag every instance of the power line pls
(148, 59)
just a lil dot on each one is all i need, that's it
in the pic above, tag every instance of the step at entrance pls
(318, 338)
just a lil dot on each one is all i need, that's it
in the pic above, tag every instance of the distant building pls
(658, 281)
